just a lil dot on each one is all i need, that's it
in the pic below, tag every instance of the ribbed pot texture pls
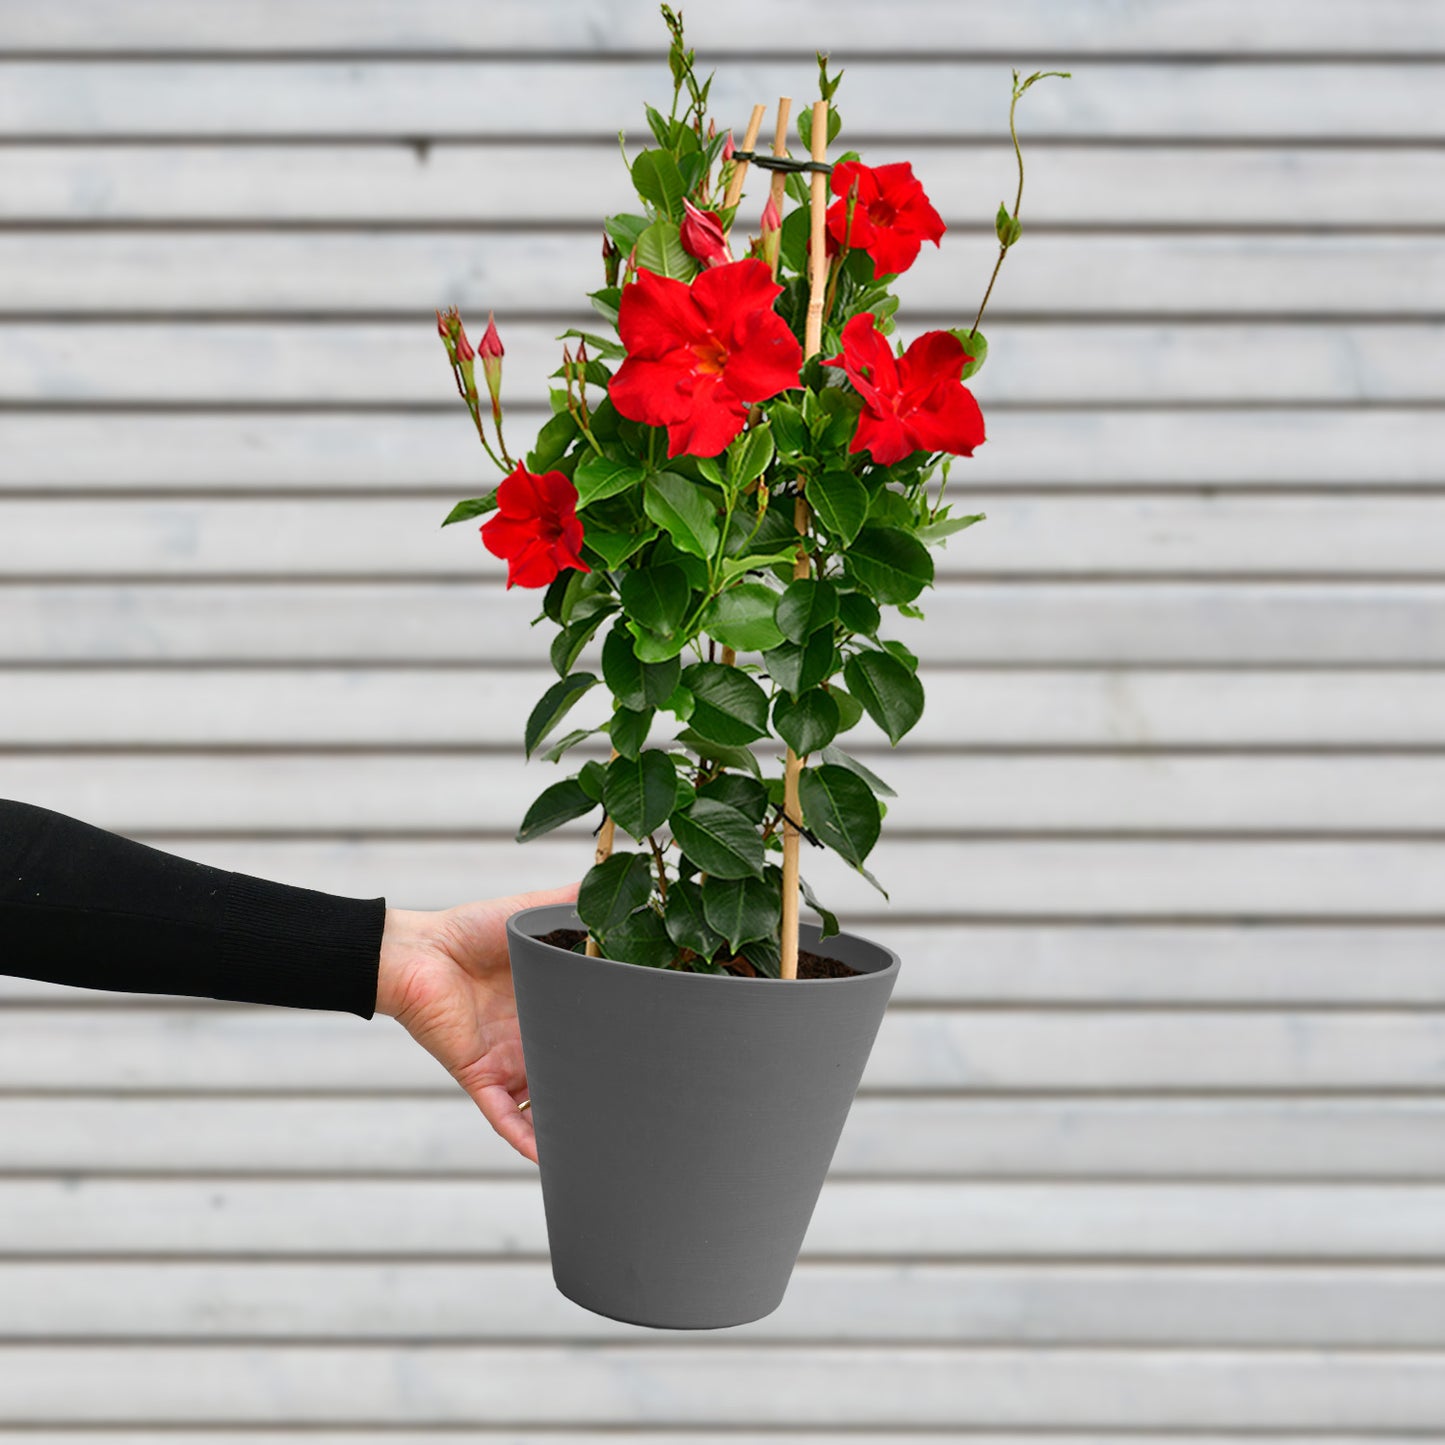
(686, 1121)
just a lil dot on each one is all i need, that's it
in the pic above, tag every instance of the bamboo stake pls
(605, 835)
(740, 168)
(817, 275)
(778, 189)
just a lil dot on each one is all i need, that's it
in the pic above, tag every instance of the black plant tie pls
(783, 163)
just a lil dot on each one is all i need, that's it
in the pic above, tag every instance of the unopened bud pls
(491, 352)
(702, 236)
(727, 150)
(772, 217)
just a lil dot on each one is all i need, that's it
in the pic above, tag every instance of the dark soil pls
(810, 965)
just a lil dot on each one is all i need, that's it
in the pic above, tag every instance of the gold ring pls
(525, 1104)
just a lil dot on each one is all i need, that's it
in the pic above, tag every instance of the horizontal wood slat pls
(1085, 447)
(594, 99)
(970, 1135)
(386, 364)
(1106, 185)
(937, 795)
(1173, 27)
(57, 273)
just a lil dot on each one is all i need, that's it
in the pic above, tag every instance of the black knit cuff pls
(298, 948)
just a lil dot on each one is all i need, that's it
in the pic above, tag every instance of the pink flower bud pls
(491, 352)
(491, 342)
(772, 219)
(727, 150)
(703, 237)
(464, 347)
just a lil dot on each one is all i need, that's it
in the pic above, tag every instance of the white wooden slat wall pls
(1152, 1146)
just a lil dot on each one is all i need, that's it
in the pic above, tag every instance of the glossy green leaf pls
(850, 710)
(734, 567)
(660, 250)
(612, 889)
(830, 919)
(629, 728)
(567, 645)
(687, 924)
(836, 755)
(557, 805)
(656, 646)
(727, 705)
(556, 436)
(947, 526)
(841, 503)
(806, 605)
(592, 778)
(729, 755)
(597, 477)
(890, 564)
(839, 807)
(656, 597)
(807, 722)
(640, 938)
(567, 742)
(744, 617)
(742, 909)
(790, 436)
(640, 792)
(976, 346)
(859, 613)
(749, 455)
(745, 794)
(472, 507)
(631, 681)
(656, 177)
(719, 839)
(888, 690)
(798, 668)
(614, 548)
(684, 511)
(554, 705)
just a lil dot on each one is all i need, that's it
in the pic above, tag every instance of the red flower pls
(702, 236)
(913, 403)
(536, 529)
(892, 217)
(699, 355)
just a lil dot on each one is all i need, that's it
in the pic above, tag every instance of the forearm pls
(84, 907)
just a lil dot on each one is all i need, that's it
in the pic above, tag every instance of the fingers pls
(505, 1115)
(566, 894)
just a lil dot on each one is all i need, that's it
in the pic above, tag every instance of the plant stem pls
(605, 837)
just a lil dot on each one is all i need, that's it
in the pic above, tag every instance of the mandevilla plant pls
(731, 494)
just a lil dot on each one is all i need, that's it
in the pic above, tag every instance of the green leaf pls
(728, 755)
(473, 507)
(799, 668)
(660, 250)
(640, 938)
(859, 613)
(840, 808)
(839, 758)
(554, 705)
(568, 644)
(841, 502)
(555, 437)
(889, 564)
(709, 471)
(656, 177)
(624, 230)
(734, 567)
(805, 606)
(805, 125)
(656, 646)
(946, 527)
(640, 792)
(609, 350)
(656, 597)
(747, 795)
(1006, 227)
(765, 956)
(742, 909)
(631, 681)
(614, 548)
(727, 705)
(904, 654)
(790, 436)
(679, 703)
(807, 722)
(749, 455)
(629, 728)
(687, 924)
(557, 805)
(850, 710)
(683, 510)
(591, 779)
(830, 919)
(612, 889)
(889, 692)
(976, 346)
(719, 839)
(567, 742)
(598, 477)
(743, 617)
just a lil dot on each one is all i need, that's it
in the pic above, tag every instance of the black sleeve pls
(82, 906)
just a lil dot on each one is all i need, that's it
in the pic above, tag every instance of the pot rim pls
(514, 929)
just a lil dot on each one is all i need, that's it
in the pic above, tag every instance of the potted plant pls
(733, 489)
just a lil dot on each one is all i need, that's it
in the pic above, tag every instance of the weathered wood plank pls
(1011, 624)
(937, 795)
(1181, 27)
(1105, 709)
(1099, 1305)
(1333, 536)
(57, 273)
(386, 364)
(1101, 185)
(970, 1135)
(448, 1219)
(210, 1050)
(594, 99)
(399, 451)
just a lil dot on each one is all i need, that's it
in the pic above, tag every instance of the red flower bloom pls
(913, 403)
(698, 356)
(536, 529)
(892, 217)
(702, 236)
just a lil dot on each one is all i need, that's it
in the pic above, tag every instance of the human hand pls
(447, 979)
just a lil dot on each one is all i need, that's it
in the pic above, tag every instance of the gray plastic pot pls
(686, 1121)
